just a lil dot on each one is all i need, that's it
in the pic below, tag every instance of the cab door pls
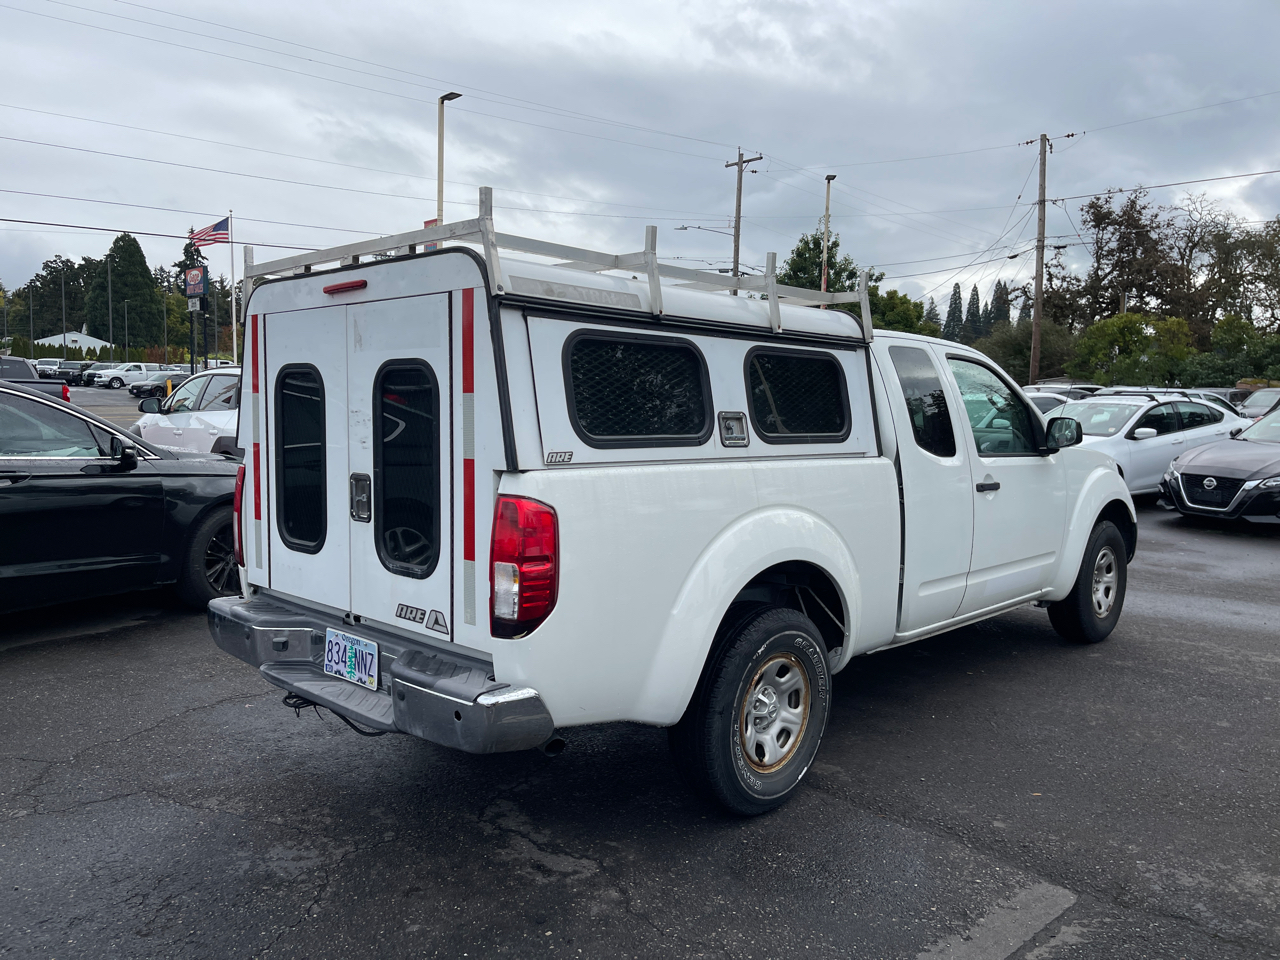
(1019, 497)
(1149, 458)
(306, 469)
(398, 482)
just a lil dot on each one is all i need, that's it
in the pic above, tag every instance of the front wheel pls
(209, 566)
(116, 383)
(1091, 610)
(758, 715)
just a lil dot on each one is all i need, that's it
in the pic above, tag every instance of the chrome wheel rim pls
(1106, 576)
(774, 712)
(220, 559)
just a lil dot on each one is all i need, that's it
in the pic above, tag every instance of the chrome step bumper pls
(438, 695)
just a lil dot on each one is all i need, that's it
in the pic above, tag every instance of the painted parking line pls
(1008, 925)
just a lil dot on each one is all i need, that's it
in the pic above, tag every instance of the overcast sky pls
(590, 120)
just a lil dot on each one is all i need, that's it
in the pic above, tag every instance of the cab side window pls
(1197, 415)
(1000, 421)
(926, 401)
(1162, 419)
(29, 428)
(223, 393)
(183, 399)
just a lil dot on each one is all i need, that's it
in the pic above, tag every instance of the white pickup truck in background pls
(486, 500)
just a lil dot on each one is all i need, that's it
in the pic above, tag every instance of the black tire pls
(758, 715)
(1091, 610)
(209, 566)
(115, 383)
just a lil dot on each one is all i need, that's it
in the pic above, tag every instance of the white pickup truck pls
(486, 500)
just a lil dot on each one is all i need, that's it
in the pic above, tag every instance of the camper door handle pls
(989, 487)
(361, 487)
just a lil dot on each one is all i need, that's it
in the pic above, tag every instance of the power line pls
(1158, 186)
(144, 233)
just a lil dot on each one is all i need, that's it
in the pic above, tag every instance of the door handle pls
(361, 487)
(989, 487)
(1176, 442)
(14, 477)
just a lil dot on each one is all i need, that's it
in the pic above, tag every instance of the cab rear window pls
(636, 391)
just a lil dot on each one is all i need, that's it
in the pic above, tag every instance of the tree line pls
(1183, 295)
(98, 296)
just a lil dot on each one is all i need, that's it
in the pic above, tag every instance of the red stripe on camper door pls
(253, 365)
(468, 340)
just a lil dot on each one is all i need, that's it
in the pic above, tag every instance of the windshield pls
(1099, 419)
(1266, 430)
(1259, 400)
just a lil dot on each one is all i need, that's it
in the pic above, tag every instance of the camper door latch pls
(360, 488)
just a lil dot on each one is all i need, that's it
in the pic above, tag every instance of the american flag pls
(218, 233)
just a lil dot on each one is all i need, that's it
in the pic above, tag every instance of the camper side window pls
(797, 397)
(300, 459)
(637, 391)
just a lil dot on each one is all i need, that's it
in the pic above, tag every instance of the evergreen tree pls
(931, 314)
(954, 326)
(1024, 311)
(985, 325)
(804, 267)
(972, 329)
(131, 280)
(192, 256)
(999, 308)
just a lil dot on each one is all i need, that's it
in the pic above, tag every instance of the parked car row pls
(159, 384)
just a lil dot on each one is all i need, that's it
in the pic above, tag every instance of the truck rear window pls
(797, 397)
(634, 391)
(300, 459)
(406, 467)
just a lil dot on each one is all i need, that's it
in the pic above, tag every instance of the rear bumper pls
(438, 695)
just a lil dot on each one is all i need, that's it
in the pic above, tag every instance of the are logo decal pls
(560, 456)
(413, 614)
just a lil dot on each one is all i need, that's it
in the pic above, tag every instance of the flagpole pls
(231, 243)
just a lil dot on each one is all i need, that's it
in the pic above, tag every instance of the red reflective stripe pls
(468, 340)
(469, 510)
(253, 364)
(257, 485)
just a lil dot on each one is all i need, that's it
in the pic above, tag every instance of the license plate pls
(351, 658)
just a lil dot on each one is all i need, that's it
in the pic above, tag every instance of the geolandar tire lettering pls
(759, 713)
(1091, 610)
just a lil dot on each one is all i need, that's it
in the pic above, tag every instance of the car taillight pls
(66, 393)
(236, 536)
(523, 565)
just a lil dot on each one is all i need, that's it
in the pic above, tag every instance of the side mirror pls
(149, 405)
(124, 452)
(1236, 431)
(1145, 433)
(1062, 432)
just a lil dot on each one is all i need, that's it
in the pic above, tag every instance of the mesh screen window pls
(637, 391)
(797, 397)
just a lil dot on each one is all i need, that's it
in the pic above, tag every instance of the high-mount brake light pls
(523, 565)
(346, 286)
(237, 537)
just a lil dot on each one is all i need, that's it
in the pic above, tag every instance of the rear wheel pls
(1091, 610)
(209, 566)
(758, 715)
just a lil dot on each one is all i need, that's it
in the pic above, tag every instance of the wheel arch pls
(1103, 496)
(773, 557)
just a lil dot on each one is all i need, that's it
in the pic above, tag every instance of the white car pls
(1143, 435)
(201, 415)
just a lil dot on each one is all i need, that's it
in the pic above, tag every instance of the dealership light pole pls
(64, 312)
(440, 155)
(126, 331)
(31, 310)
(111, 329)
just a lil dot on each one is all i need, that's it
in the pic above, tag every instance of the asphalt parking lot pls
(992, 792)
(116, 406)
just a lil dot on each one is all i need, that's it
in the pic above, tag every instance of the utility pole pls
(826, 234)
(740, 163)
(440, 155)
(1037, 308)
(111, 330)
(64, 313)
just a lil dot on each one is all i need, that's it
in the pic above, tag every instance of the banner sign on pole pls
(193, 304)
(196, 280)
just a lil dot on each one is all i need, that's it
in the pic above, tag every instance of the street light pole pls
(126, 331)
(111, 329)
(826, 234)
(440, 155)
(31, 310)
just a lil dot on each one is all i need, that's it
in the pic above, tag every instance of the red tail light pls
(523, 565)
(237, 537)
(66, 393)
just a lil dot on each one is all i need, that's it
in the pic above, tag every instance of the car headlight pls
(1270, 483)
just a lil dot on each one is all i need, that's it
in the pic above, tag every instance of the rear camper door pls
(398, 394)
